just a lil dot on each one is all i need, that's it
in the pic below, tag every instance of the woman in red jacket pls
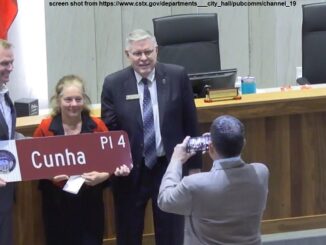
(71, 219)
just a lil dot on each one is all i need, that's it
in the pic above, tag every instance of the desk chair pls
(313, 44)
(190, 40)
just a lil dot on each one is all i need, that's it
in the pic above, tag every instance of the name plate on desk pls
(222, 94)
(45, 157)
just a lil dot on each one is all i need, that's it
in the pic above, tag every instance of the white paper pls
(73, 184)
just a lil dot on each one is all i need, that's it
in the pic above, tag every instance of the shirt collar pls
(3, 89)
(226, 163)
(88, 125)
(150, 76)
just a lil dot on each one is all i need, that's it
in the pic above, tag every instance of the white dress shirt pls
(153, 91)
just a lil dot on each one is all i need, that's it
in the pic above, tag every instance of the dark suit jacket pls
(177, 110)
(7, 192)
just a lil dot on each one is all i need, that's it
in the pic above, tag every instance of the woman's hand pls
(93, 178)
(59, 178)
(2, 183)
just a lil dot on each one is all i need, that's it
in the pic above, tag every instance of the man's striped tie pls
(148, 128)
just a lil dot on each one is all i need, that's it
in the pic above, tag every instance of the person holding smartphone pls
(224, 205)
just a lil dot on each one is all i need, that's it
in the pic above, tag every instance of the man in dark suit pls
(7, 132)
(173, 115)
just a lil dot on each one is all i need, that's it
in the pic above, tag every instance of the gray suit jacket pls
(7, 192)
(223, 206)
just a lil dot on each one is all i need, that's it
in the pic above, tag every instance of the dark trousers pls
(73, 219)
(130, 205)
(6, 227)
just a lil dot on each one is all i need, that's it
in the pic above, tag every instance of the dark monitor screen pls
(222, 79)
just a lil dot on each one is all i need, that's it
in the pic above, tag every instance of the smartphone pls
(200, 143)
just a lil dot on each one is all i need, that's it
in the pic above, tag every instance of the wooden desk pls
(284, 130)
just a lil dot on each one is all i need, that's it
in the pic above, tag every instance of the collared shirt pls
(5, 109)
(153, 91)
(225, 163)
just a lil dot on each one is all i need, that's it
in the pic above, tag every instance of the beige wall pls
(261, 41)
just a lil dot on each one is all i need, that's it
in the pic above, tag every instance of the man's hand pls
(180, 154)
(2, 183)
(122, 170)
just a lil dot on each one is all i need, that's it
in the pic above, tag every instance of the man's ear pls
(211, 148)
(127, 53)
(244, 143)
(211, 151)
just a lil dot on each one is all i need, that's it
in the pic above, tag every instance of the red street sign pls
(46, 157)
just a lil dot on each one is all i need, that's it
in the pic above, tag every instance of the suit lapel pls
(13, 115)
(3, 123)
(3, 128)
(162, 85)
(130, 88)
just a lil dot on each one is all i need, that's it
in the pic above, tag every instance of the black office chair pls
(313, 44)
(190, 40)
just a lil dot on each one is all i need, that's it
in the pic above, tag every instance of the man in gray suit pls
(224, 205)
(7, 132)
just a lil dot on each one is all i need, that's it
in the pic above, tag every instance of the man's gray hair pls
(137, 35)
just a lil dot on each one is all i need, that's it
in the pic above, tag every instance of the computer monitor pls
(222, 79)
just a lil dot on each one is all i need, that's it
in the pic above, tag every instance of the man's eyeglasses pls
(139, 54)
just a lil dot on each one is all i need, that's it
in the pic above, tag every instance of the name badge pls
(132, 97)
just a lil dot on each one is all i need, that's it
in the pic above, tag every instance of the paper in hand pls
(74, 184)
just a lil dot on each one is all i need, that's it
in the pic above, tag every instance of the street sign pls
(46, 157)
